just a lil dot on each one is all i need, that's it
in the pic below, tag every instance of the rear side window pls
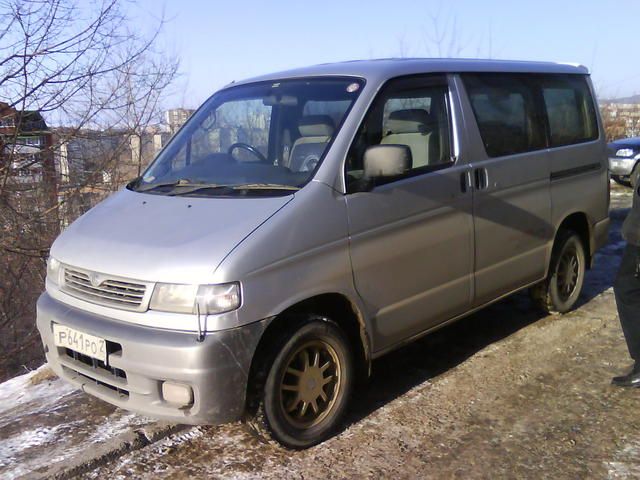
(519, 113)
(570, 110)
(506, 112)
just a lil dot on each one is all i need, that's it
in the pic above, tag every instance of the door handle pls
(466, 182)
(481, 178)
(463, 182)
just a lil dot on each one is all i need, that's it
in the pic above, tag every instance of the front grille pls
(94, 363)
(103, 290)
(98, 372)
(115, 391)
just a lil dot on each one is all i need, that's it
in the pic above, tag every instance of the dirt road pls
(505, 393)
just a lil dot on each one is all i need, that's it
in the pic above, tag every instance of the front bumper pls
(621, 167)
(142, 358)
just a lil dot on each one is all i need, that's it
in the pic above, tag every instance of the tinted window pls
(570, 110)
(411, 112)
(506, 113)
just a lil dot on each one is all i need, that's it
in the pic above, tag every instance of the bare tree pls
(86, 68)
(441, 37)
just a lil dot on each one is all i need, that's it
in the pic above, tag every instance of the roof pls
(383, 69)
(32, 121)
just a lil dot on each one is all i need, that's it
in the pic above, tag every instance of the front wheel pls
(308, 385)
(560, 291)
(633, 178)
(620, 181)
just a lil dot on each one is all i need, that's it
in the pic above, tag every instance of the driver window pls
(411, 112)
(245, 121)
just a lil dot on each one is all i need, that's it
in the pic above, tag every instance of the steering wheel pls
(309, 163)
(248, 148)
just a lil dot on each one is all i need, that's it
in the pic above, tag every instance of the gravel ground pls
(505, 393)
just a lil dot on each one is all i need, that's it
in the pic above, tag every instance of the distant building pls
(622, 118)
(106, 156)
(32, 187)
(82, 156)
(176, 117)
(25, 143)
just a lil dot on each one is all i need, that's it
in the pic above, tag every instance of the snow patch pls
(626, 463)
(14, 447)
(25, 440)
(20, 391)
(110, 428)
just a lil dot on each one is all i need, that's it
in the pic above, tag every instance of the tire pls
(308, 385)
(561, 290)
(633, 178)
(620, 181)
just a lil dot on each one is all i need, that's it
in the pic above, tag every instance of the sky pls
(221, 41)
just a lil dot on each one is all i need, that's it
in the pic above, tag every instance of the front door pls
(411, 237)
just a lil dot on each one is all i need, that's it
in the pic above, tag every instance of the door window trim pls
(432, 79)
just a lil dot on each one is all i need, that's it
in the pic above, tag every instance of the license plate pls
(94, 347)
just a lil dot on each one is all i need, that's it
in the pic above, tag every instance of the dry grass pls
(43, 375)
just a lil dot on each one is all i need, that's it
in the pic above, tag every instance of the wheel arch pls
(579, 223)
(335, 306)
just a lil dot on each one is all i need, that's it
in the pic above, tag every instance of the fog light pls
(178, 394)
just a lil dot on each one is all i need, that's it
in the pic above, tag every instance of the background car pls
(624, 155)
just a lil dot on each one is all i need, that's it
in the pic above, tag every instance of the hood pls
(632, 141)
(157, 238)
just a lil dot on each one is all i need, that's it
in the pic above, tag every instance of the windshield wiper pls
(264, 186)
(186, 187)
(175, 183)
(194, 188)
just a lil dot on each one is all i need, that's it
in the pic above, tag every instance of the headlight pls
(53, 270)
(624, 152)
(207, 299)
(218, 298)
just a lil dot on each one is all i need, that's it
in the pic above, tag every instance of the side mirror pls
(386, 161)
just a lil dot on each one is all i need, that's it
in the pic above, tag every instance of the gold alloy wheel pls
(568, 272)
(310, 384)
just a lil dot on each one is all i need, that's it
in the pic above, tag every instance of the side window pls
(505, 109)
(570, 110)
(412, 112)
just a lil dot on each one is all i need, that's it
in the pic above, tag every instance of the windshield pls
(259, 139)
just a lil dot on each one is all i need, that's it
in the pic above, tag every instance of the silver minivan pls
(302, 224)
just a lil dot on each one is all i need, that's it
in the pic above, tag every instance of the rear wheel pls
(308, 385)
(562, 288)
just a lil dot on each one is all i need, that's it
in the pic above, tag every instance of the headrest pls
(412, 120)
(316, 126)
